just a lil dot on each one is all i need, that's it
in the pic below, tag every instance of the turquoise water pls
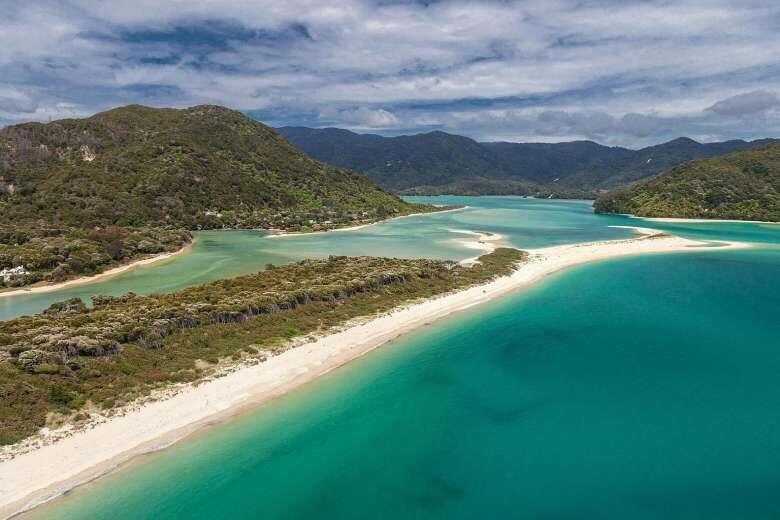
(531, 223)
(213, 255)
(635, 388)
(223, 254)
(642, 387)
(525, 223)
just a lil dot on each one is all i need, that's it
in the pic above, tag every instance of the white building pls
(6, 274)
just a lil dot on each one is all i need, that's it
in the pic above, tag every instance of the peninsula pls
(743, 185)
(204, 361)
(79, 196)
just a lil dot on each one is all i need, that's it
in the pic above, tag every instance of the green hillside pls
(205, 166)
(437, 163)
(79, 194)
(742, 186)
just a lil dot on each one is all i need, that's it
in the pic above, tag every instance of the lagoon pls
(224, 254)
(642, 387)
(523, 222)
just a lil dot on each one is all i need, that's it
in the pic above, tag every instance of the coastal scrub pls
(70, 357)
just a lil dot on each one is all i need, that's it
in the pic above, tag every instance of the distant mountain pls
(653, 160)
(396, 163)
(438, 162)
(742, 185)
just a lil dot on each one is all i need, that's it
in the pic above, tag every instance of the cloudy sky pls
(619, 72)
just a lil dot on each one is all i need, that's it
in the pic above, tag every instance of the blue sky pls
(627, 73)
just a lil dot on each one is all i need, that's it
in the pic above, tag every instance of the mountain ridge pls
(429, 163)
(742, 185)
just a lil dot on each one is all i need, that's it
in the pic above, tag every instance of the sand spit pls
(47, 466)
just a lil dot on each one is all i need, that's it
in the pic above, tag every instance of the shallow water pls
(223, 254)
(524, 222)
(634, 388)
(642, 387)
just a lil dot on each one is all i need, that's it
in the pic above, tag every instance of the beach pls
(672, 220)
(483, 242)
(49, 287)
(39, 472)
(282, 234)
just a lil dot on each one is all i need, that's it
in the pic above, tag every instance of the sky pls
(619, 72)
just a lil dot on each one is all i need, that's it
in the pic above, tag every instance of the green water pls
(637, 388)
(524, 223)
(644, 387)
(223, 254)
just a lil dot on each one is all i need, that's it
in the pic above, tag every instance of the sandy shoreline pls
(50, 470)
(701, 220)
(283, 234)
(49, 287)
(483, 242)
(94, 278)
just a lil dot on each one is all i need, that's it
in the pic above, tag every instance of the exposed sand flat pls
(50, 468)
(484, 242)
(90, 279)
(282, 234)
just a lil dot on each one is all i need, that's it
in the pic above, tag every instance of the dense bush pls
(128, 345)
(742, 186)
(202, 167)
(57, 253)
(79, 195)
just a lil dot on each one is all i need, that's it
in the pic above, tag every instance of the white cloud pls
(749, 104)
(616, 71)
(16, 102)
(361, 117)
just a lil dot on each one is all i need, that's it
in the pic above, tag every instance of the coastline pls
(43, 473)
(49, 287)
(283, 234)
(483, 242)
(672, 220)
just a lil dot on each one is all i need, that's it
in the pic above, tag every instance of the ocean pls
(641, 387)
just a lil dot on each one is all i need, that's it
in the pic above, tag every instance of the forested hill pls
(79, 195)
(205, 166)
(438, 162)
(742, 186)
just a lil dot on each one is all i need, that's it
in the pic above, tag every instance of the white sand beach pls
(51, 464)
(282, 234)
(49, 287)
(484, 242)
(701, 220)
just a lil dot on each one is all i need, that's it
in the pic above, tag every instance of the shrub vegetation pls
(741, 186)
(124, 347)
(78, 195)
